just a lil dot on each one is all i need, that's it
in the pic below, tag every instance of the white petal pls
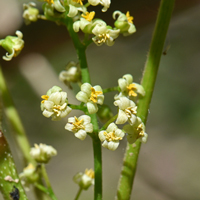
(102, 136)
(73, 11)
(82, 96)
(122, 117)
(128, 78)
(81, 134)
(111, 127)
(69, 127)
(113, 145)
(46, 113)
(92, 107)
(86, 87)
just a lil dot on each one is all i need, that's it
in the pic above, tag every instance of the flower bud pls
(13, 45)
(42, 153)
(30, 13)
(84, 180)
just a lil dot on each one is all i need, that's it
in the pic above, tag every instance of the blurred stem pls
(148, 82)
(15, 121)
(46, 178)
(78, 193)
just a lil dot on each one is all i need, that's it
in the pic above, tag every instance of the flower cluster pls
(83, 19)
(127, 112)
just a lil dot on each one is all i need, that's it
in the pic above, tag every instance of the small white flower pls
(84, 180)
(137, 131)
(30, 13)
(129, 88)
(54, 104)
(91, 96)
(111, 137)
(42, 153)
(127, 111)
(71, 74)
(124, 23)
(74, 7)
(104, 34)
(13, 45)
(80, 126)
(104, 3)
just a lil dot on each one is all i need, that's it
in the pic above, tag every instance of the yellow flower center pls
(79, 1)
(57, 109)
(131, 90)
(89, 173)
(140, 130)
(111, 136)
(49, 1)
(78, 124)
(94, 94)
(89, 16)
(131, 111)
(44, 97)
(129, 18)
(102, 38)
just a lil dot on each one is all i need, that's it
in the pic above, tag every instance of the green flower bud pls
(13, 45)
(30, 13)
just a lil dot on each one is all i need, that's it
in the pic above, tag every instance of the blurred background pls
(169, 164)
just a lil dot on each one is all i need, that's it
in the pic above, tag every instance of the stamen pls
(111, 136)
(102, 38)
(140, 129)
(44, 97)
(78, 124)
(88, 16)
(94, 94)
(89, 173)
(129, 18)
(131, 90)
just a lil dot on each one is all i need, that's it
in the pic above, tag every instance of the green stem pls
(9, 181)
(81, 48)
(148, 82)
(46, 178)
(15, 121)
(97, 168)
(78, 193)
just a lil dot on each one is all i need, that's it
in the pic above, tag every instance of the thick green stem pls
(148, 82)
(9, 180)
(15, 121)
(97, 168)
